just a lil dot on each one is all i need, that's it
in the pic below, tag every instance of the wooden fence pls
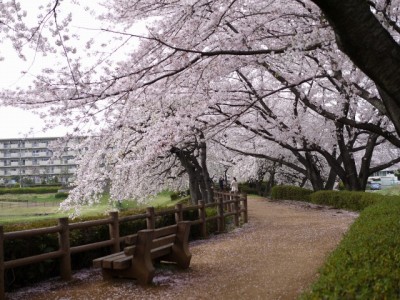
(227, 204)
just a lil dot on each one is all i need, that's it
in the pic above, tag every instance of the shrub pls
(366, 264)
(177, 195)
(61, 195)
(355, 201)
(248, 188)
(287, 192)
(30, 190)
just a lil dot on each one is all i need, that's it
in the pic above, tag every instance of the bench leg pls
(142, 266)
(180, 250)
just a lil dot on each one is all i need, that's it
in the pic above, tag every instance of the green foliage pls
(61, 195)
(356, 201)
(391, 191)
(366, 265)
(288, 192)
(211, 226)
(178, 195)
(30, 190)
(248, 188)
(341, 186)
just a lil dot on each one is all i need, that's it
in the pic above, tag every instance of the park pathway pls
(275, 256)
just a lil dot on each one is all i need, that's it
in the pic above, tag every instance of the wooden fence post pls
(178, 213)
(236, 209)
(245, 213)
(114, 231)
(63, 242)
(150, 220)
(202, 217)
(221, 219)
(2, 268)
(227, 197)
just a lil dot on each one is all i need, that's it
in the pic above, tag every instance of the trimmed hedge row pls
(247, 188)
(288, 192)
(355, 201)
(30, 190)
(366, 264)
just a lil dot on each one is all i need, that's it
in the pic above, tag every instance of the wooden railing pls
(227, 204)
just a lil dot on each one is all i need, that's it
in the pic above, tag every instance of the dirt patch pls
(275, 256)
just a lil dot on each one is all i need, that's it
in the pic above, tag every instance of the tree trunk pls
(200, 184)
(313, 173)
(208, 192)
(366, 161)
(195, 194)
(370, 46)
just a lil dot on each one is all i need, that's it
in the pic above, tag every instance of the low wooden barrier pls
(227, 204)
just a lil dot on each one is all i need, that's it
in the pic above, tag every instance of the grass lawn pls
(390, 191)
(29, 197)
(15, 209)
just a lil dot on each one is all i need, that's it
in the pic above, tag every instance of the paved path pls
(275, 256)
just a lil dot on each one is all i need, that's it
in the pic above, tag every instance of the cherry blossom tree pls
(367, 32)
(272, 69)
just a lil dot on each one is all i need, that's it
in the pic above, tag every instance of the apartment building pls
(30, 161)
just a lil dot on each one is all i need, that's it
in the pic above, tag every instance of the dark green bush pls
(248, 188)
(288, 192)
(30, 190)
(366, 264)
(62, 195)
(177, 195)
(356, 201)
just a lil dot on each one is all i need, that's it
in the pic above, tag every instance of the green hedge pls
(288, 192)
(355, 201)
(366, 264)
(247, 188)
(62, 195)
(30, 190)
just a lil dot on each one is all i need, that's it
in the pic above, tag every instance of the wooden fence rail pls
(227, 204)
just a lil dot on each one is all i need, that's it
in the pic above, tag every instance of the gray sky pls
(15, 122)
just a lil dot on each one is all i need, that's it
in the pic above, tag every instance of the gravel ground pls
(275, 256)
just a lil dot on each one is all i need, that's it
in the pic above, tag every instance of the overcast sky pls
(15, 122)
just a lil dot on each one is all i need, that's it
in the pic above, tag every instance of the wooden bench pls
(136, 261)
